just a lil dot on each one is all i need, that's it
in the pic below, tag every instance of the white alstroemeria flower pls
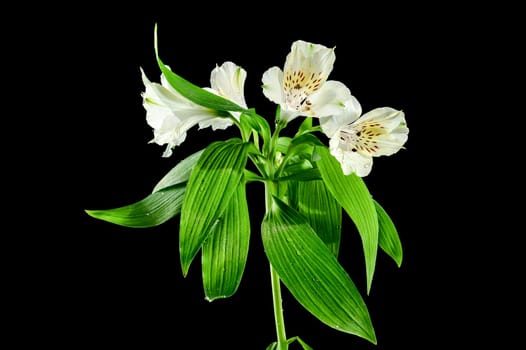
(355, 140)
(171, 115)
(302, 88)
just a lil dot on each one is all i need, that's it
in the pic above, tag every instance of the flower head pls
(171, 115)
(302, 88)
(355, 140)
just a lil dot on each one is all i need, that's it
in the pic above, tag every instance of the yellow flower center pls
(298, 85)
(362, 137)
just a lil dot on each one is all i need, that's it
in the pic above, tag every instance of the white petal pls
(351, 162)
(171, 115)
(329, 99)
(343, 112)
(168, 151)
(310, 58)
(166, 84)
(175, 124)
(165, 132)
(288, 114)
(192, 117)
(156, 114)
(388, 117)
(216, 123)
(384, 129)
(155, 93)
(390, 144)
(169, 134)
(229, 81)
(273, 85)
(307, 68)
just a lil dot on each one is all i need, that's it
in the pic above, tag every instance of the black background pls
(80, 282)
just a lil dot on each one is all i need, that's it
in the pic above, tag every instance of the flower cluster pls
(302, 89)
(308, 184)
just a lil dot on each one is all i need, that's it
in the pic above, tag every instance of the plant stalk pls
(277, 302)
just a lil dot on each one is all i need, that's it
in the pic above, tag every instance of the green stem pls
(279, 320)
(278, 311)
(271, 188)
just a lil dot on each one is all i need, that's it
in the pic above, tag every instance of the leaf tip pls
(155, 40)
(369, 335)
(369, 285)
(399, 262)
(215, 297)
(185, 267)
(92, 213)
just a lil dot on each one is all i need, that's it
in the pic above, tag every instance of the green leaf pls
(192, 92)
(283, 144)
(272, 346)
(298, 339)
(212, 183)
(153, 210)
(352, 194)
(312, 273)
(299, 165)
(251, 176)
(322, 211)
(225, 252)
(299, 153)
(304, 345)
(305, 126)
(388, 238)
(257, 123)
(306, 139)
(288, 192)
(299, 172)
(179, 173)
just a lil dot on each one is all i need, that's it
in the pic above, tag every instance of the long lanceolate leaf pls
(225, 252)
(312, 273)
(153, 210)
(212, 183)
(322, 212)
(388, 238)
(179, 173)
(162, 204)
(352, 194)
(192, 92)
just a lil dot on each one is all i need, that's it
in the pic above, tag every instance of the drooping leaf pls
(388, 238)
(225, 252)
(352, 194)
(322, 211)
(192, 92)
(179, 173)
(212, 183)
(312, 273)
(153, 210)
